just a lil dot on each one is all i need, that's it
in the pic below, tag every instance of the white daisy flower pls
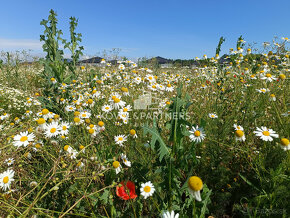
(238, 127)
(171, 214)
(268, 77)
(263, 90)
(121, 67)
(150, 78)
(120, 139)
(52, 129)
(266, 134)
(125, 160)
(169, 88)
(138, 80)
(70, 108)
(9, 161)
(23, 139)
(197, 134)
(6, 178)
(107, 108)
(147, 189)
(85, 115)
(64, 126)
(71, 152)
(212, 115)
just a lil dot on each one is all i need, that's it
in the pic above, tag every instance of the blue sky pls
(171, 29)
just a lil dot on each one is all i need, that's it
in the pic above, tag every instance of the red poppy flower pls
(126, 192)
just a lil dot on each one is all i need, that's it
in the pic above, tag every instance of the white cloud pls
(12, 44)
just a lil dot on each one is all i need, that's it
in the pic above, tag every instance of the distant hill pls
(160, 60)
(94, 60)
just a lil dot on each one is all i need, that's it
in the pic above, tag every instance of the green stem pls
(193, 209)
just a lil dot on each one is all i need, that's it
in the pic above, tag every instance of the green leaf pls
(163, 150)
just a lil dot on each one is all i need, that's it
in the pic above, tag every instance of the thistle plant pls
(73, 45)
(177, 158)
(218, 49)
(54, 67)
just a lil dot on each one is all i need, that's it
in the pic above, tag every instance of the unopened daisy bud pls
(285, 144)
(40, 121)
(54, 142)
(117, 166)
(282, 76)
(91, 131)
(133, 133)
(28, 155)
(33, 184)
(87, 120)
(90, 101)
(38, 145)
(195, 184)
(44, 111)
(100, 123)
(77, 119)
(76, 113)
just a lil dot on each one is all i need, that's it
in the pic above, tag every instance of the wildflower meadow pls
(133, 139)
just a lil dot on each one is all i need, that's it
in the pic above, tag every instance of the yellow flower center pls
(107, 108)
(284, 142)
(66, 147)
(81, 147)
(197, 133)
(125, 109)
(116, 164)
(53, 130)
(268, 75)
(120, 139)
(64, 128)
(23, 138)
(90, 101)
(91, 131)
(45, 111)
(168, 85)
(116, 100)
(147, 189)
(124, 89)
(266, 133)
(239, 133)
(77, 119)
(5, 180)
(195, 183)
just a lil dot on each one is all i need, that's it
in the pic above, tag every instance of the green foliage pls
(173, 162)
(240, 42)
(73, 44)
(218, 49)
